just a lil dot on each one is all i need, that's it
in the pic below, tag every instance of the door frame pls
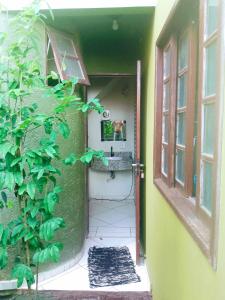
(136, 173)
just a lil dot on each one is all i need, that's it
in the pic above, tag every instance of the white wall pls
(121, 103)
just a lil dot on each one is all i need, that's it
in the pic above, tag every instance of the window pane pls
(181, 128)
(165, 160)
(180, 165)
(52, 66)
(72, 68)
(182, 91)
(210, 70)
(166, 63)
(66, 56)
(166, 96)
(206, 193)
(208, 128)
(65, 45)
(183, 52)
(211, 16)
(165, 128)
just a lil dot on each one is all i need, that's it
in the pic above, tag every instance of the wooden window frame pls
(57, 55)
(201, 226)
(166, 113)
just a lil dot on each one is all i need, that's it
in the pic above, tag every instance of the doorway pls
(111, 189)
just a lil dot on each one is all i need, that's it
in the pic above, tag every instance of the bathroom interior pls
(111, 187)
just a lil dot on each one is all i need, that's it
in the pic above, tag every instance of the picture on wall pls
(113, 130)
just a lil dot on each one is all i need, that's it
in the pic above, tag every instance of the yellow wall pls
(177, 267)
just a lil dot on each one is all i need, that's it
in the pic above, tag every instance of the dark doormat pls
(109, 266)
(79, 295)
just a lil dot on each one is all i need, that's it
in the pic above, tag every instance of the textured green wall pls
(98, 60)
(177, 267)
(72, 204)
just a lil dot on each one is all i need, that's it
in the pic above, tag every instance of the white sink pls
(114, 158)
(121, 161)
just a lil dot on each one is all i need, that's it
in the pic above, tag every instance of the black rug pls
(110, 266)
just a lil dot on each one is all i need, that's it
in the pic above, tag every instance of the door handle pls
(138, 165)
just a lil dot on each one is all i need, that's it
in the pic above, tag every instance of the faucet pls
(112, 153)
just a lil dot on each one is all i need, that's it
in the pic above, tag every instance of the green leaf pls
(15, 161)
(18, 178)
(4, 148)
(3, 258)
(22, 272)
(13, 149)
(28, 236)
(57, 189)
(50, 202)
(32, 222)
(22, 189)
(17, 229)
(31, 187)
(64, 130)
(36, 169)
(41, 184)
(2, 204)
(70, 160)
(53, 136)
(10, 204)
(48, 126)
(4, 196)
(1, 231)
(5, 237)
(34, 211)
(87, 157)
(53, 179)
(49, 254)
(50, 151)
(2, 179)
(85, 107)
(40, 118)
(48, 228)
(40, 173)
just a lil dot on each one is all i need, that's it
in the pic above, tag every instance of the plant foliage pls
(28, 175)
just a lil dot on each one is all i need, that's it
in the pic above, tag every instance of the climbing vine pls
(28, 175)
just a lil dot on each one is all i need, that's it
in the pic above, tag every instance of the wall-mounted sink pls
(121, 161)
(114, 158)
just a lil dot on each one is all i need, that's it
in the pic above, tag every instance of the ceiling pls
(97, 37)
(95, 26)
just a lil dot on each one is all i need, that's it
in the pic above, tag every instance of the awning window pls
(66, 56)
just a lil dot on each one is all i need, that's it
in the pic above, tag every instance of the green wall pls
(177, 267)
(72, 205)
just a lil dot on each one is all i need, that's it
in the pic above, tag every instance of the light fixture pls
(115, 25)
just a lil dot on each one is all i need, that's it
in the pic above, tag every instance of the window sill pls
(186, 212)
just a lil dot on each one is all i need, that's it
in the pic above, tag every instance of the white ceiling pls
(73, 4)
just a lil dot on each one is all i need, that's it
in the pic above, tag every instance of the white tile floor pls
(111, 224)
(112, 219)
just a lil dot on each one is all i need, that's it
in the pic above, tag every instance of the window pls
(64, 57)
(186, 120)
(166, 109)
(181, 108)
(208, 104)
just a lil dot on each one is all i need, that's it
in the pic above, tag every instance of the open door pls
(138, 167)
